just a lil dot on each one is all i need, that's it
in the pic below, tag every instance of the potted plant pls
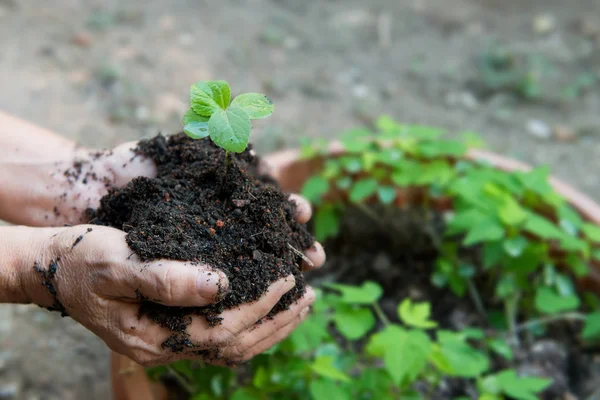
(453, 273)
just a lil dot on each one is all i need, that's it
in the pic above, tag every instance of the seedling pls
(227, 124)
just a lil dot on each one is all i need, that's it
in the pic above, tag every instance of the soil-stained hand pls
(81, 186)
(89, 273)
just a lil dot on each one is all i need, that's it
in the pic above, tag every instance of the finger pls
(268, 327)
(303, 208)
(263, 345)
(125, 164)
(316, 255)
(239, 319)
(175, 283)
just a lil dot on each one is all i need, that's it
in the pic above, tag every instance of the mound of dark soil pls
(197, 209)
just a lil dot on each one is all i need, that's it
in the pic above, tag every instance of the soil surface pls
(208, 210)
(105, 71)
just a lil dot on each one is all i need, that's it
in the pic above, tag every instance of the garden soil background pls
(102, 72)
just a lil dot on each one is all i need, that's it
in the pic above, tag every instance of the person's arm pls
(21, 141)
(88, 273)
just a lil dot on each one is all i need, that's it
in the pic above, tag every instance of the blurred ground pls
(523, 73)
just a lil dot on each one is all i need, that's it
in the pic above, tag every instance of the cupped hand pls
(82, 186)
(89, 273)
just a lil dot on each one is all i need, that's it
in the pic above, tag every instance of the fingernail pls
(211, 284)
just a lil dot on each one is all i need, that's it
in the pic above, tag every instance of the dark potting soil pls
(197, 209)
(399, 249)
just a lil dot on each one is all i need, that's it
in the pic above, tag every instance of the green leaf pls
(592, 232)
(488, 231)
(344, 183)
(363, 189)
(256, 105)
(591, 327)
(314, 188)
(194, 125)
(416, 314)
(493, 252)
(323, 366)
(309, 334)
(404, 352)
(514, 246)
(386, 194)
(511, 213)
(356, 140)
(201, 100)
(454, 356)
(368, 293)
(326, 390)
(327, 222)
(500, 347)
(549, 302)
(221, 93)
(353, 323)
(520, 387)
(542, 227)
(230, 129)
(465, 220)
(243, 394)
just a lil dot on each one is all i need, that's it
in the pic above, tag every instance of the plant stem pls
(182, 380)
(570, 316)
(476, 298)
(380, 314)
(510, 308)
(227, 160)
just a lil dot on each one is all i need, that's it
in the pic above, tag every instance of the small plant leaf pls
(416, 314)
(511, 213)
(323, 366)
(520, 387)
(221, 93)
(353, 323)
(327, 222)
(591, 328)
(368, 293)
(549, 302)
(240, 394)
(256, 105)
(502, 348)
(514, 246)
(230, 129)
(201, 100)
(487, 231)
(314, 188)
(362, 189)
(454, 356)
(326, 390)
(542, 227)
(386, 194)
(194, 125)
(592, 232)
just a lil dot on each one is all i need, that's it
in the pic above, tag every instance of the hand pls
(89, 273)
(77, 189)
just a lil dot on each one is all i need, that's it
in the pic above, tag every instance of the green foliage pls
(416, 314)
(526, 248)
(227, 124)
(517, 387)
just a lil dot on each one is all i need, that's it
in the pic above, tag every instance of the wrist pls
(24, 252)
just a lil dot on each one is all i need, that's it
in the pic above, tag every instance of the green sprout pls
(227, 124)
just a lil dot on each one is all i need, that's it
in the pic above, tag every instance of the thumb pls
(176, 283)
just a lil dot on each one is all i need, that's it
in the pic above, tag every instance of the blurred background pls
(523, 73)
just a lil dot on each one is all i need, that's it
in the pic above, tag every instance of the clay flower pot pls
(129, 380)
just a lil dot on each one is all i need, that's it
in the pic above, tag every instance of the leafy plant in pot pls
(447, 278)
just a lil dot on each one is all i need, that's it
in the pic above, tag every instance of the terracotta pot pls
(129, 379)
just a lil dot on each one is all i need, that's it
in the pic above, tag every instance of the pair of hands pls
(97, 279)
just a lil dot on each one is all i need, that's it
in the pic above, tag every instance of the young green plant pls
(211, 114)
